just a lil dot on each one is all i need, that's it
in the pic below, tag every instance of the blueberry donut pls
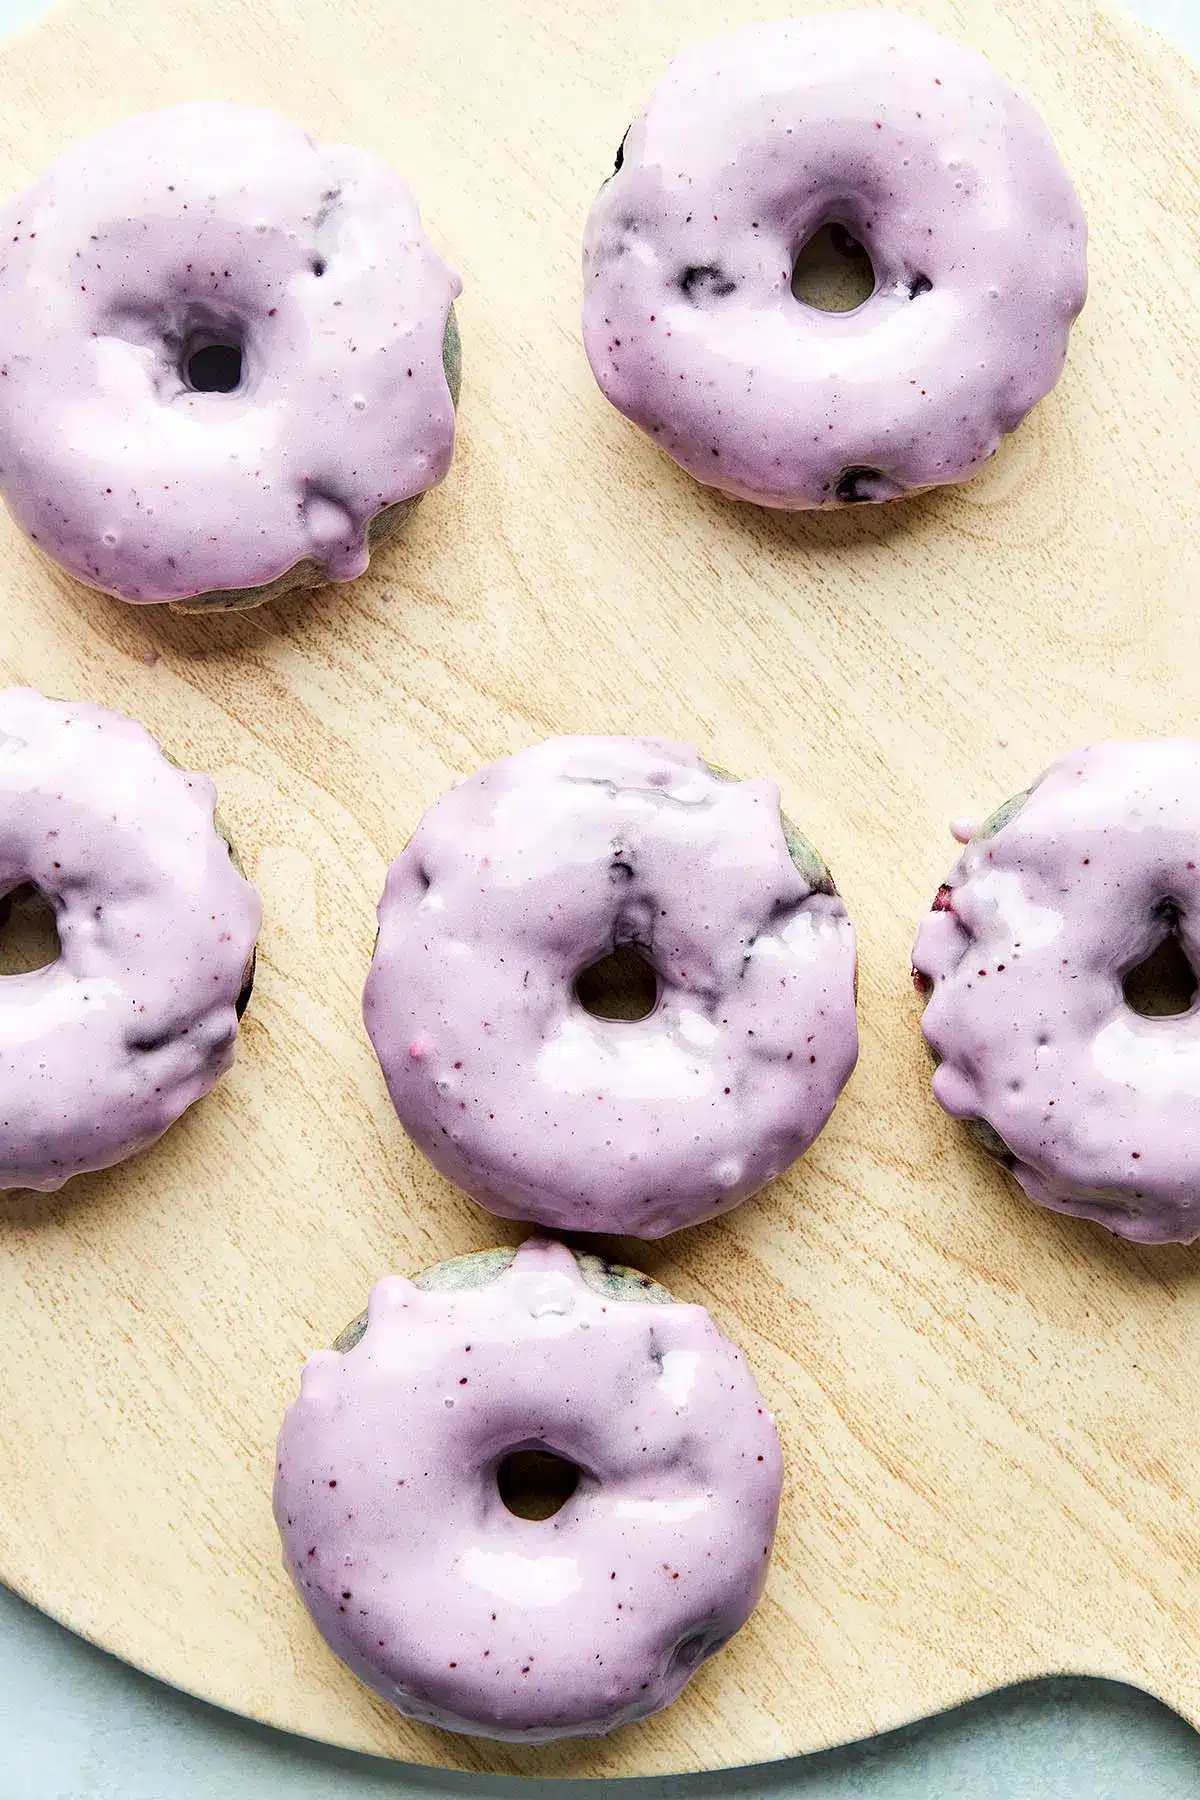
(228, 360)
(918, 150)
(530, 874)
(407, 1467)
(104, 1049)
(1039, 965)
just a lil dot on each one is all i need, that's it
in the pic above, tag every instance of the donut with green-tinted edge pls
(1058, 966)
(532, 873)
(434, 1575)
(102, 1049)
(229, 358)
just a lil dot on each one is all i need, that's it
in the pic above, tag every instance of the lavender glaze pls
(102, 1050)
(538, 866)
(929, 159)
(1057, 898)
(217, 225)
(465, 1616)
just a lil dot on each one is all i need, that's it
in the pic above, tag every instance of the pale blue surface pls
(77, 1725)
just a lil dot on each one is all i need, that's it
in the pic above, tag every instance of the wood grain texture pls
(990, 1413)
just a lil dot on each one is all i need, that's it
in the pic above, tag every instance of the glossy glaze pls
(1024, 959)
(102, 1050)
(928, 158)
(532, 870)
(463, 1615)
(217, 223)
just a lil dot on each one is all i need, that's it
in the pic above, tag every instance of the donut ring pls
(103, 1049)
(172, 256)
(528, 1629)
(532, 870)
(926, 157)
(1024, 959)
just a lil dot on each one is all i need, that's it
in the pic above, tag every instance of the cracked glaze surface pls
(465, 1616)
(214, 223)
(102, 1050)
(928, 158)
(538, 866)
(1024, 959)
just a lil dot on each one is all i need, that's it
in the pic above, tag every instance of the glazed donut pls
(525, 876)
(1024, 961)
(389, 1478)
(103, 1049)
(927, 158)
(221, 358)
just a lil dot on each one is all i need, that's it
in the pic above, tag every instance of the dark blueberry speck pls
(706, 282)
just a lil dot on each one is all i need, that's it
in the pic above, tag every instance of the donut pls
(104, 1048)
(228, 359)
(1027, 964)
(920, 152)
(525, 877)
(545, 1623)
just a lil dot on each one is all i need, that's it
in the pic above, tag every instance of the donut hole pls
(833, 271)
(536, 1484)
(1163, 984)
(622, 985)
(212, 365)
(29, 937)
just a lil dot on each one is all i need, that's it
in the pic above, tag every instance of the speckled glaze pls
(102, 1050)
(1094, 1107)
(217, 223)
(537, 867)
(929, 159)
(465, 1616)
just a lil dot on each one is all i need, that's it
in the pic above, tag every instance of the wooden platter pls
(990, 1414)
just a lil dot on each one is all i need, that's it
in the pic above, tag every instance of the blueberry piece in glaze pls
(857, 485)
(706, 282)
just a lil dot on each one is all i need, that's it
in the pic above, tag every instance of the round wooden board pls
(990, 1414)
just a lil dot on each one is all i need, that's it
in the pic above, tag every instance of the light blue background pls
(77, 1725)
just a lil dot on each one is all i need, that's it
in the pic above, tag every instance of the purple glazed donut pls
(1025, 961)
(221, 358)
(103, 1049)
(526, 875)
(926, 156)
(528, 1627)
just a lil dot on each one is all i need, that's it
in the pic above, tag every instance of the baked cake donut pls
(228, 359)
(103, 1049)
(391, 1473)
(1026, 961)
(531, 872)
(927, 158)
